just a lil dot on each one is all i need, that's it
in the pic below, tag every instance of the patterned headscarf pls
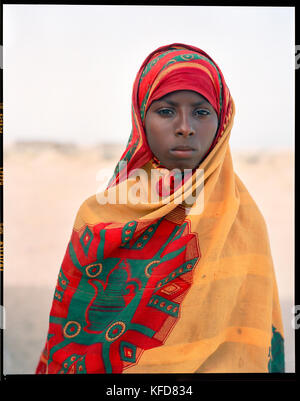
(167, 69)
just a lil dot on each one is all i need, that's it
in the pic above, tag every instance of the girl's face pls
(180, 128)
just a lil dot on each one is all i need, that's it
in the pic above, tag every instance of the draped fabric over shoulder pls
(175, 285)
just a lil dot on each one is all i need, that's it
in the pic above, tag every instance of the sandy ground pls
(45, 185)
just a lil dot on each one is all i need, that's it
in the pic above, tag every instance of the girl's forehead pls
(182, 96)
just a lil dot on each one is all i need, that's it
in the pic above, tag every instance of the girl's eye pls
(202, 112)
(165, 112)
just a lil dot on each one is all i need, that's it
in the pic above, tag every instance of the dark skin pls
(180, 128)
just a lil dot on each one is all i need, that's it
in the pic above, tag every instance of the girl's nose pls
(185, 126)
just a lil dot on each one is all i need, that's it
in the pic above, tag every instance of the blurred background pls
(68, 76)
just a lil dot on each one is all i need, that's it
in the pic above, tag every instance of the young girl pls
(181, 284)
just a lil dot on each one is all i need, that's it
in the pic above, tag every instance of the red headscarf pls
(167, 69)
(186, 79)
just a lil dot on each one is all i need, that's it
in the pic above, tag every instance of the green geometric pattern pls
(276, 353)
(86, 239)
(184, 268)
(78, 361)
(128, 352)
(164, 305)
(147, 235)
(63, 283)
(127, 233)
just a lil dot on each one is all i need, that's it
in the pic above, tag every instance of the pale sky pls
(69, 69)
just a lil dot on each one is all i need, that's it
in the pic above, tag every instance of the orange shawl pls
(172, 286)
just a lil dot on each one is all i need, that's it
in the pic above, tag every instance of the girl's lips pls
(182, 152)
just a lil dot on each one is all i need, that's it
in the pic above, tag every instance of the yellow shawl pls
(115, 307)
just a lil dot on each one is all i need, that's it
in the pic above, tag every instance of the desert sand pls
(44, 185)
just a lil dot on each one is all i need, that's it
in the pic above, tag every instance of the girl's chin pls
(178, 163)
(181, 166)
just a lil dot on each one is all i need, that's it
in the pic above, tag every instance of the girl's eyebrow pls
(199, 103)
